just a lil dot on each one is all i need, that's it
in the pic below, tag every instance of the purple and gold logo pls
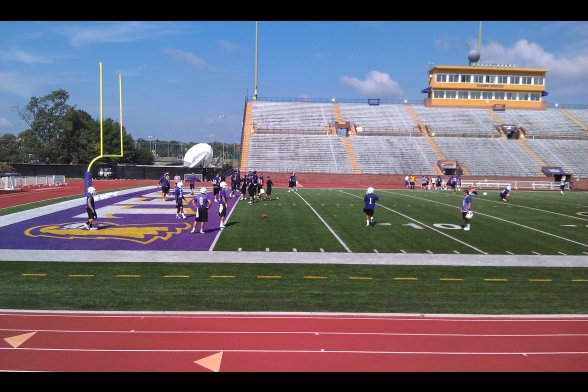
(145, 233)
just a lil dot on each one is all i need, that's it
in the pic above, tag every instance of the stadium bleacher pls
(297, 136)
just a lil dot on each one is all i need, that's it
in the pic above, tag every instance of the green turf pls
(307, 288)
(412, 222)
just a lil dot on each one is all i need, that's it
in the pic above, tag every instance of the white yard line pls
(325, 223)
(220, 231)
(532, 208)
(423, 224)
(500, 219)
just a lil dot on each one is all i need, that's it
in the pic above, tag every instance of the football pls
(264, 216)
(485, 193)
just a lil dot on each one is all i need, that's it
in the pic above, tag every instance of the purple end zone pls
(157, 230)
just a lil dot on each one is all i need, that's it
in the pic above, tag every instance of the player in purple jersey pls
(90, 209)
(292, 180)
(179, 196)
(222, 208)
(234, 183)
(216, 186)
(164, 184)
(369, 200)
(201, 204)
(504, 195)
(268, 188)
(244, 182)
(192, 180)
(466, 209)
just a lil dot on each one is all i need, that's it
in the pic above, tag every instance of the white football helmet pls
(203, 190)
(180, 184)
(469, 214)
(370, 190)
(223, 184)
(91, 190)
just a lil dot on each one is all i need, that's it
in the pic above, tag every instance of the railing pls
(567, 106)
(11, 182)
(494, 184)
(335, 100)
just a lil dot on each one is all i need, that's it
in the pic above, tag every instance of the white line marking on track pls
(425, 225)
(326, 224)
(293, 315)
(204, 332)
(562, 253)
(297, 351)
(537, 253)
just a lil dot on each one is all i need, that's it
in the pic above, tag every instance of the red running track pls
(73, 187)
(290, 343)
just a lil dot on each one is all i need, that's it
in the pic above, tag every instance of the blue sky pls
(188, 81)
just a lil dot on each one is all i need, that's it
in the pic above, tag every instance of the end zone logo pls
(140, 233)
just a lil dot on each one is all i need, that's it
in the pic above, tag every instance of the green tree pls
(79, 142)
(9, 151)
(45, 117)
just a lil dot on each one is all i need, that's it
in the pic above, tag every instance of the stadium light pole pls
(256, 58)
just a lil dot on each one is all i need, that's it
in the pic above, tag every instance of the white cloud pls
(376, 84)
(566, 74)
(228, 47)
(4, 123)
(186, 57)
(109, 33)
(23, 57)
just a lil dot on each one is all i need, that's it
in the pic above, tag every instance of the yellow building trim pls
(524, 146)
(351, 155)
(576, 121)
(245, 137)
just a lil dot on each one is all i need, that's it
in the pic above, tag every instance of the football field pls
(427, 222)
(313, 252)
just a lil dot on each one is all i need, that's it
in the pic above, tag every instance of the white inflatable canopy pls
(199, 155)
